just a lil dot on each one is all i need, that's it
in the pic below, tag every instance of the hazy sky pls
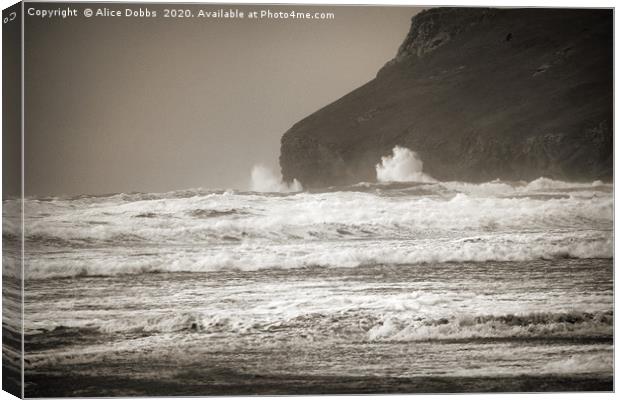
(128, 104)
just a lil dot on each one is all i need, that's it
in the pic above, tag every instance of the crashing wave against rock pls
(480, 94)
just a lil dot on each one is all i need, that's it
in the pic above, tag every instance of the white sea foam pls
(173, 322)
(538, 186)
(220, 218)
(581, 363)
(427, 319)
(348, 254)
(403, 165)
(547, 325)
(372, 317)
(205, 231)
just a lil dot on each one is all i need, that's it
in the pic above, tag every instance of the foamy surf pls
(387, 224)
(517, 273)
(520, 318)
(321, 254)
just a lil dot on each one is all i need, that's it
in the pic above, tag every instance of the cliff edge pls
(479, 94)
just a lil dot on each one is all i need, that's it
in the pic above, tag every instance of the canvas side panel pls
(12, 281)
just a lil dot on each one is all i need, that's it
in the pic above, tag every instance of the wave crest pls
(403, 165)
(548, 325)
(265, 180)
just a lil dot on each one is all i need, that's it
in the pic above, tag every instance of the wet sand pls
(226, 382)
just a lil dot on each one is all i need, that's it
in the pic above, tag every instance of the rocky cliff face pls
(479, 94)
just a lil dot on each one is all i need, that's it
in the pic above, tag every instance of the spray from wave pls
(265, 180)
(403, 165)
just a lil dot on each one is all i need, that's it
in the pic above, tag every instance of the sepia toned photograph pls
(271, 199)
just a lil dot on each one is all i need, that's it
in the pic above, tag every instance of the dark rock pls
(479, 94)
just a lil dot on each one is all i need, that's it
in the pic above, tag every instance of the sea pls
(436, 287)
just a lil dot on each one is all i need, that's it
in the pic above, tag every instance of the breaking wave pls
(265, 180)
(354, 325)
(547, 325)
(581, 363)
(252, 257)
(403, 165)
(380, 224)
(218, 218)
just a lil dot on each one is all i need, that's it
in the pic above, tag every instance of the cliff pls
(479, 94)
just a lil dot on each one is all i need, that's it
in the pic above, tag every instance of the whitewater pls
(231, 291)
(368, 224)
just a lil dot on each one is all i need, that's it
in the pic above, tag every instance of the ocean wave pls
(173, 322)
(544, 185)
(574, 336)
(177, 322)
(354, 326)
(581, 363)
(386, 224)
(491, 188)
(546, 325)
(220, 218)
(345, 254)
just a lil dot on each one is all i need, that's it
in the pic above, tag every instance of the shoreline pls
(219, 382)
